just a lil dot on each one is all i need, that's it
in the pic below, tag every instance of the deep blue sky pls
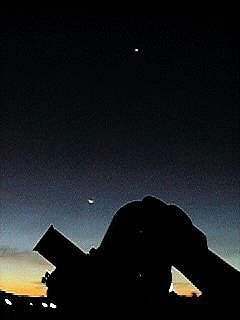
(85, 116)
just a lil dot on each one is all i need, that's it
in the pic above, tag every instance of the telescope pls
(57, 249)
(186, 250)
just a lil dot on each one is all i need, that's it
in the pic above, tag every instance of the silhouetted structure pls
(133, 263)
(57, 249)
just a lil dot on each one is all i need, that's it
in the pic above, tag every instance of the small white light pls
(45, 305)
(8, 302)
(136, 50)
(31, 304)
(53, 306)
(90, 201)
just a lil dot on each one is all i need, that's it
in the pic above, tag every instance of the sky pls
(84, 115)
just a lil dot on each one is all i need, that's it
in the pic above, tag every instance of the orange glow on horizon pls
(185, 289)
(180, 288)
(27, 290)
(22, 273)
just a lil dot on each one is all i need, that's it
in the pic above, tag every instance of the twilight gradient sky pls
(85, 116)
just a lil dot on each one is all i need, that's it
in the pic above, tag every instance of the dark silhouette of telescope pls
(57, 249)
(144, 240)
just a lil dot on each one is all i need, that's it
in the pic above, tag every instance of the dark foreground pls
(180, 307)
